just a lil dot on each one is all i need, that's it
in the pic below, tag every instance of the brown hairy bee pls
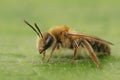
(62, 36)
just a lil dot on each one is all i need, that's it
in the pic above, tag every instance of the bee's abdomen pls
(100, 47)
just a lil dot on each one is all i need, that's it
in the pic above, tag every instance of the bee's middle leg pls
(75, 55)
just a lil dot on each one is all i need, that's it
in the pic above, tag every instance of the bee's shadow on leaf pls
(67, 58)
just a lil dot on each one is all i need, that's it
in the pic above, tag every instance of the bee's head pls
(43, 43)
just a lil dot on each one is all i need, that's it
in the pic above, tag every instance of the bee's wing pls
(89, 37)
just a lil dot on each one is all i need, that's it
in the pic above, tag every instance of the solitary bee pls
(62, 36)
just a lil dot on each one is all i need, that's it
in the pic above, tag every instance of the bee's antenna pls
(32, 27)
(38, 29)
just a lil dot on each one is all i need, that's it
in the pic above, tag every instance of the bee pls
(63, 36)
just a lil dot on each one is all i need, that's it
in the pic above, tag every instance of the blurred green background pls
(92, 16)
(19, 58)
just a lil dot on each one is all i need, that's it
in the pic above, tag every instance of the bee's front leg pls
(43, 55)
(53, 48)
